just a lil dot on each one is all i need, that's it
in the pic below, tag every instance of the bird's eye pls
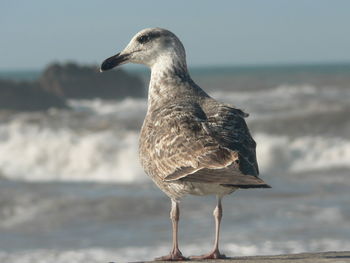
(143, 39)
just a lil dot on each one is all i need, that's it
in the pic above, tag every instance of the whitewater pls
(97, 140)
(72, 188)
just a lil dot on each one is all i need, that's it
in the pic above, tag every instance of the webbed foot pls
(174, 255)
(213, 255)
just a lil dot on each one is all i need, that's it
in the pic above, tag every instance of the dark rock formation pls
(86, 82)
(61, 82)
(26, 96)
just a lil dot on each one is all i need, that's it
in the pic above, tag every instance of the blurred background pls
(71, 187)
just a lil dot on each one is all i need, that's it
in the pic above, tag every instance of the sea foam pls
(281, 153)
(32, 153)
(97, 139)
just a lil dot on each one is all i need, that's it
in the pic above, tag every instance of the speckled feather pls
(188, 137)
(189, 142)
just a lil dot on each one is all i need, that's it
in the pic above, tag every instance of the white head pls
(151, 47)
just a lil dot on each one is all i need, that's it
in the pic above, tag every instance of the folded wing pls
(189, 144)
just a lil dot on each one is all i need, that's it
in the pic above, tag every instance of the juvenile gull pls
(189, 142)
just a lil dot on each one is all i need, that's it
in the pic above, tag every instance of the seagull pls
(189, 142)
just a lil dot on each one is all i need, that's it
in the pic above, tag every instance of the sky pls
(215, 33)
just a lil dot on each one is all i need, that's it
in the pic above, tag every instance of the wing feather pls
(183, 142)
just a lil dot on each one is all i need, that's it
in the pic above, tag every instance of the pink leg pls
(175, 253)
(215, 254)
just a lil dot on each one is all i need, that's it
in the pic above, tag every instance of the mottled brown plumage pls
(193, 138)
(189, 142)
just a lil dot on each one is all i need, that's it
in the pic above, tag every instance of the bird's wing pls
(183, 142)
(228, 127)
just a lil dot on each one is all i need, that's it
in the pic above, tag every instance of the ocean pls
(72, 189)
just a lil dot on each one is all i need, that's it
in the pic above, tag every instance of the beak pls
(113, 61)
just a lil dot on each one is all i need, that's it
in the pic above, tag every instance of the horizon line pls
(133, 67)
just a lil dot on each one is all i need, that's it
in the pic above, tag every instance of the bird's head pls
(149, 47)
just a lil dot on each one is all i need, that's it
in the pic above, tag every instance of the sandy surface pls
(334, 257)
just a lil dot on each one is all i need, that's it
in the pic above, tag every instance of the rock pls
(61, 82)
(86, 82)
(27, 96)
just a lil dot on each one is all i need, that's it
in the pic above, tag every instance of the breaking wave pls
(32, 153)
(281, 153)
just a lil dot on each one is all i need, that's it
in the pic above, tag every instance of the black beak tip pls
(113, 61)
(103, 67)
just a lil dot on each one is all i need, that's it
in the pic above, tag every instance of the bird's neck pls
(170, 80)
(169, 66)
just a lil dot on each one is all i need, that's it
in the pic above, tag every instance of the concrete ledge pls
(322, 257)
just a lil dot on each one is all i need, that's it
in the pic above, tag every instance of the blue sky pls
(35, 33)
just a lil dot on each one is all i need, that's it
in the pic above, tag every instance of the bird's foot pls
(213, 255)
(174, 255)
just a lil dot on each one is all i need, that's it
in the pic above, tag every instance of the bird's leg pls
(218, 216)
(215, 254)
(175, 253)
